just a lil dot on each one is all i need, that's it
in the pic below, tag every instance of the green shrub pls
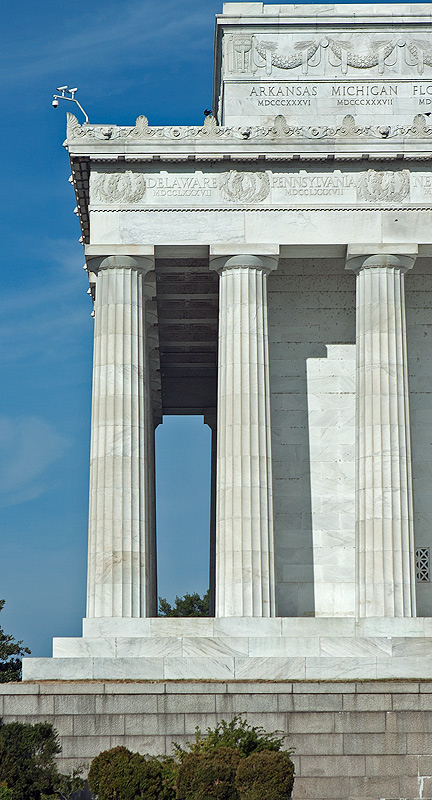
(119, 774)
(237, 734)
(265, 775)
(5, 793)
(208, 775)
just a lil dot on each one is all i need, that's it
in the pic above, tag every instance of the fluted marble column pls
(245, 583)
(121, 549)
(384, 499)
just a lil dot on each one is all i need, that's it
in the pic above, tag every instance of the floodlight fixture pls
(68, 94)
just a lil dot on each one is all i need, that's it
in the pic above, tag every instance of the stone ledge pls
(227, 668)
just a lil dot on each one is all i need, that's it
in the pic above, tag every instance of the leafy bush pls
(209, 774)
(233, 761)
(119, 774)
(265, 775)
(27, 767)
(237, 734)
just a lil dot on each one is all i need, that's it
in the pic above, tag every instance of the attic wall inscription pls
(366, 74)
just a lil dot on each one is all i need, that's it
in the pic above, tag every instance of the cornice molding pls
(280, 131)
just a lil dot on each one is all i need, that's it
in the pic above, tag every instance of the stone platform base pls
(240, 649)
(353, 739)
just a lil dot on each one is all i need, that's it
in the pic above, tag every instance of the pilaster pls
(384, 495)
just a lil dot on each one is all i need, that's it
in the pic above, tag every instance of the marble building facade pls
(271, 270)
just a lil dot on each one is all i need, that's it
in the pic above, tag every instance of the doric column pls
(121, 548)
(245, 583)
(384, 499)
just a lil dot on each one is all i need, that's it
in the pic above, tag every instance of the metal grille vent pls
(422, 555)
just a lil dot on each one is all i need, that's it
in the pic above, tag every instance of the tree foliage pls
(27, 767)
(11, 652)
(191, 605)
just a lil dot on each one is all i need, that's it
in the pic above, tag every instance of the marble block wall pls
(311, 305)
(311, 321)
(352, 739)
(331, 421)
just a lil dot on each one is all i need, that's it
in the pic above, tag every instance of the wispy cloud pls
(124, 33)
(28, 447)
(51, 307)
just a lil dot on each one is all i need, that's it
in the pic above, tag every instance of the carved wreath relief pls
(389, 187)
(119, 187)
(244, 187)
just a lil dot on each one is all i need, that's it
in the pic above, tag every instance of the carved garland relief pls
(248, 54)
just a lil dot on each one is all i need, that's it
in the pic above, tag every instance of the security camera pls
(55, 103)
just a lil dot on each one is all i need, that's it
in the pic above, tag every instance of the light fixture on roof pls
(68, 94)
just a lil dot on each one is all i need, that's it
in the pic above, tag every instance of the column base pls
(240, 649)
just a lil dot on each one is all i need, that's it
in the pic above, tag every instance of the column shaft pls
(245, 583)
(121, 527)
(384, 502)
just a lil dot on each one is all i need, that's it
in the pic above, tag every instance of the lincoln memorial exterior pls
(271, 270)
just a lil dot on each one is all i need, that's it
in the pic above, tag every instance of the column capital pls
(140, 263)
(138, 257)
(231, 256)
(395, 256)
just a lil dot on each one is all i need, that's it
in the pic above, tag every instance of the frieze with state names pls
(258, 188)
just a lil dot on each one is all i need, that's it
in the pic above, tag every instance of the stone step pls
(229, 667)
(252, 647)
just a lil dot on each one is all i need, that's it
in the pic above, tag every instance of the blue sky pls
(129, 58)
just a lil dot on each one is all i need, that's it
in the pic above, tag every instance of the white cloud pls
(28, 447)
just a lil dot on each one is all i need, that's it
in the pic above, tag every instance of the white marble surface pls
(245, 578)
(331, 408)
(384, 499)
(121, 550)
(306, 209)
